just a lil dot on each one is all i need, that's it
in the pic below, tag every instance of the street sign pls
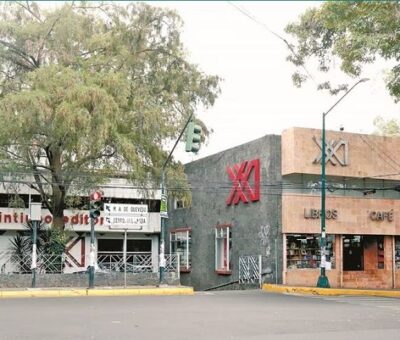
(111, 209)
(163, 206)
(126, 216)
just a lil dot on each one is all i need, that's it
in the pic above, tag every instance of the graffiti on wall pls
(264, 235)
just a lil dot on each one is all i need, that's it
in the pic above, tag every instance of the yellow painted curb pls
(329, 291)
(73, 293)
(42, 293)
(141, 291)
(95, 292)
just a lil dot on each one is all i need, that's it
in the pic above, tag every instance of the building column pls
(154, 253)
(339, 258)
(284, 267)
(393, 262)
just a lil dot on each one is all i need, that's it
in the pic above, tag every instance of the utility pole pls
(164, 214)
(323, 281)
(95, 207)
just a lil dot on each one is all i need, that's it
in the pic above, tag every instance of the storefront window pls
(180, 241)
(223, 246)
(304, 251)
(397, 252)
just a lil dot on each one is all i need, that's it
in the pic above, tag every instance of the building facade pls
(232, 214)
(264, 198)
(362, 209)
(142, 243)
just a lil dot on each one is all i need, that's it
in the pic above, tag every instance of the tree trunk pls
(58, 190)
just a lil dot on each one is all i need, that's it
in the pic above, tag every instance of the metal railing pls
(11, 263)
(136, 262)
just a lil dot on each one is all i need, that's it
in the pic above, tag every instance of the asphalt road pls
(214, 315)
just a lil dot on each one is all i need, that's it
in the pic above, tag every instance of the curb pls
(329, 291)
(96, 292)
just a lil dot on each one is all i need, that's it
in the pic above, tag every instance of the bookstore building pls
(264, 198)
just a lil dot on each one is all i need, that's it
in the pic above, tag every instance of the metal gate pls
(250, 269)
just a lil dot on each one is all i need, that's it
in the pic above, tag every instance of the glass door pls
(353, 252)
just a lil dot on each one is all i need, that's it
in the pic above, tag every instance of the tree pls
(356, 33)
(88, 90)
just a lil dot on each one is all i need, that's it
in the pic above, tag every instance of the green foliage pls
(16, 202)
(89, 90)
(49, 241)
(388, 127)
(356, 33)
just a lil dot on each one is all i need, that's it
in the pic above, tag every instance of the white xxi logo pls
(331, 149)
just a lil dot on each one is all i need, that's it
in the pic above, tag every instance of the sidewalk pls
(283, 289)
(98, 291)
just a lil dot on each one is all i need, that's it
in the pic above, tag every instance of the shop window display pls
(304, 251)
(397, 252)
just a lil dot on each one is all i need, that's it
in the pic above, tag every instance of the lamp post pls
(323, 281)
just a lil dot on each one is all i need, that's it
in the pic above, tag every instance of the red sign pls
(96, 196)
(241, 190)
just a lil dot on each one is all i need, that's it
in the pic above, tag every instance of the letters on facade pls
(316, 213)
(240, 175)
(332, 152)
(382, 215)
(21, 217)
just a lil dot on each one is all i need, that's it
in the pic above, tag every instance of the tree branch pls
(39, 54)
(20, 53)
(36, 176)
(27, 7)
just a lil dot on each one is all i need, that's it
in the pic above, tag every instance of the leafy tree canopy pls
(88, 90)
(356, 33)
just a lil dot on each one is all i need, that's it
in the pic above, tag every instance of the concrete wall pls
(82, 280)
(255, 225)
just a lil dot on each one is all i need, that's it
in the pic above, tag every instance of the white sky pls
(258, 96)
(257, 93)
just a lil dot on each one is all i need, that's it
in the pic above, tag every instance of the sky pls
(257, 94)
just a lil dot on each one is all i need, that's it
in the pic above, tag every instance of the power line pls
(381, 152)
(249, 15)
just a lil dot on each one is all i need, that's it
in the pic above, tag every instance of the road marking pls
(368, 301)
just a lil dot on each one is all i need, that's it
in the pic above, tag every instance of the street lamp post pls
(323, 281)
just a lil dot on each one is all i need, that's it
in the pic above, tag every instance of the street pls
(206, 315)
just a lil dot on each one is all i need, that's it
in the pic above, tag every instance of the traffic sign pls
(126, 216)
(111, 209)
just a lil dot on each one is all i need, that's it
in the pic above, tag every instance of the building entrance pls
(353, 252)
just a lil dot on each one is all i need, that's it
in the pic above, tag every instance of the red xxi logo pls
(241, 190)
